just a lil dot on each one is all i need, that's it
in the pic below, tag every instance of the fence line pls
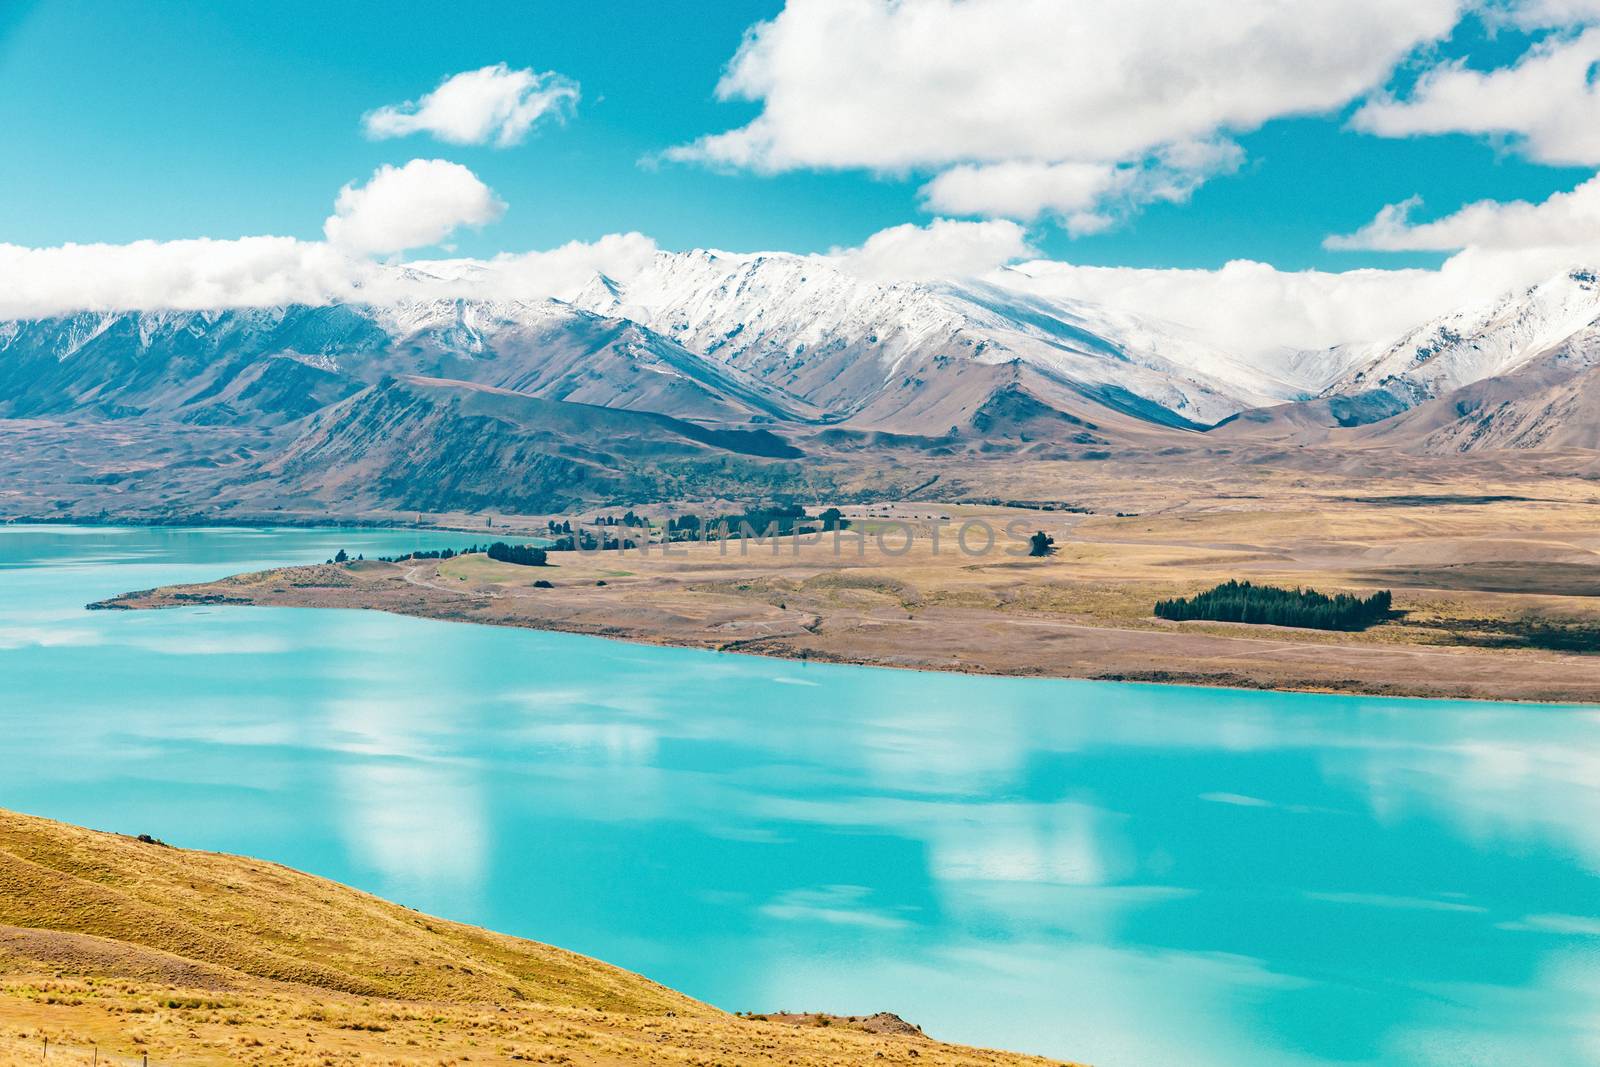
(49, 1051)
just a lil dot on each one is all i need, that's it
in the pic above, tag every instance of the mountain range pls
(715, 375)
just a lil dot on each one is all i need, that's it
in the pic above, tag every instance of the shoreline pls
(1237, 684)
(201, 522)
(980, 644)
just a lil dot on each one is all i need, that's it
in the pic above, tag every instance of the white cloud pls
(1548, 102)
(1257, 311)
(1087, 197)
(479, 106)
(267, 271)
(884, 85)
(1541, 14)
(418, 204)
(944, 248)
(1022, 190)
(559, 272)
(248, 272)
(1021, 95)
(1564, 220)
(1249, 308)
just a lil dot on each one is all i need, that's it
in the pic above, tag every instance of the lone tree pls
(1041, 544)
(341, 556)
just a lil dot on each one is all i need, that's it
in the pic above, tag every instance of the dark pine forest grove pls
(1236, 601)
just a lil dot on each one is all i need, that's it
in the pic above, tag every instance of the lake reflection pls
(1127, 875)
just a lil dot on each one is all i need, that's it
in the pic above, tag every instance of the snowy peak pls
(746, 308)
(1517, 372)
(600, 294)
(206, 365)
(801, 342)
(1557, 319)
(845, 343)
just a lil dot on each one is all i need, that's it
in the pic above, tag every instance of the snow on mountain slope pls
(551, 349)
(1556, 319)
(699, 335)
(781, 338)
(1313, 370)
(205, 366)
(1160, 346)
(273, 363)
(1516, 372)
(856, 347)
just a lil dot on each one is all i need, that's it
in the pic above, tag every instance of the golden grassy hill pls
(127, 949)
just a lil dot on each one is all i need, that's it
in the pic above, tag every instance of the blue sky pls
(163, 120)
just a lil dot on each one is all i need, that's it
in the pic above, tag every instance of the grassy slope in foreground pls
(188, 957)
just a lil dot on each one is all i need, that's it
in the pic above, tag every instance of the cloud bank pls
(267, 271)
(1249, 308)
(495, 105)
(201, 273)
(398, 208)
(1258, 312)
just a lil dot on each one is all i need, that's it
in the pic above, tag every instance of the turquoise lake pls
(1129, 875)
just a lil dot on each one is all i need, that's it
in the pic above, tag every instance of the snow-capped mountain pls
(708, 372)
(1556, 322)
(712, 376)
(1517, 372)
(706, 336)
(852, 346)
(269, 364)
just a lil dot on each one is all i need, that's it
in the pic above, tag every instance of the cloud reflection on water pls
(1126, 874)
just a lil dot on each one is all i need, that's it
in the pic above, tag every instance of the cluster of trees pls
(1030, 505)
(522, 555)
(588, 542)
(1236, 601)
(526, 555)
(781, 519)
(431, 553)
(628, 519)
(1041, 544)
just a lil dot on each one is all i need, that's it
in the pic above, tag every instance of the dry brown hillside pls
(122, 949)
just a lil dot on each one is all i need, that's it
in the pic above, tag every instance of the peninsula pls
(1495, 596)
